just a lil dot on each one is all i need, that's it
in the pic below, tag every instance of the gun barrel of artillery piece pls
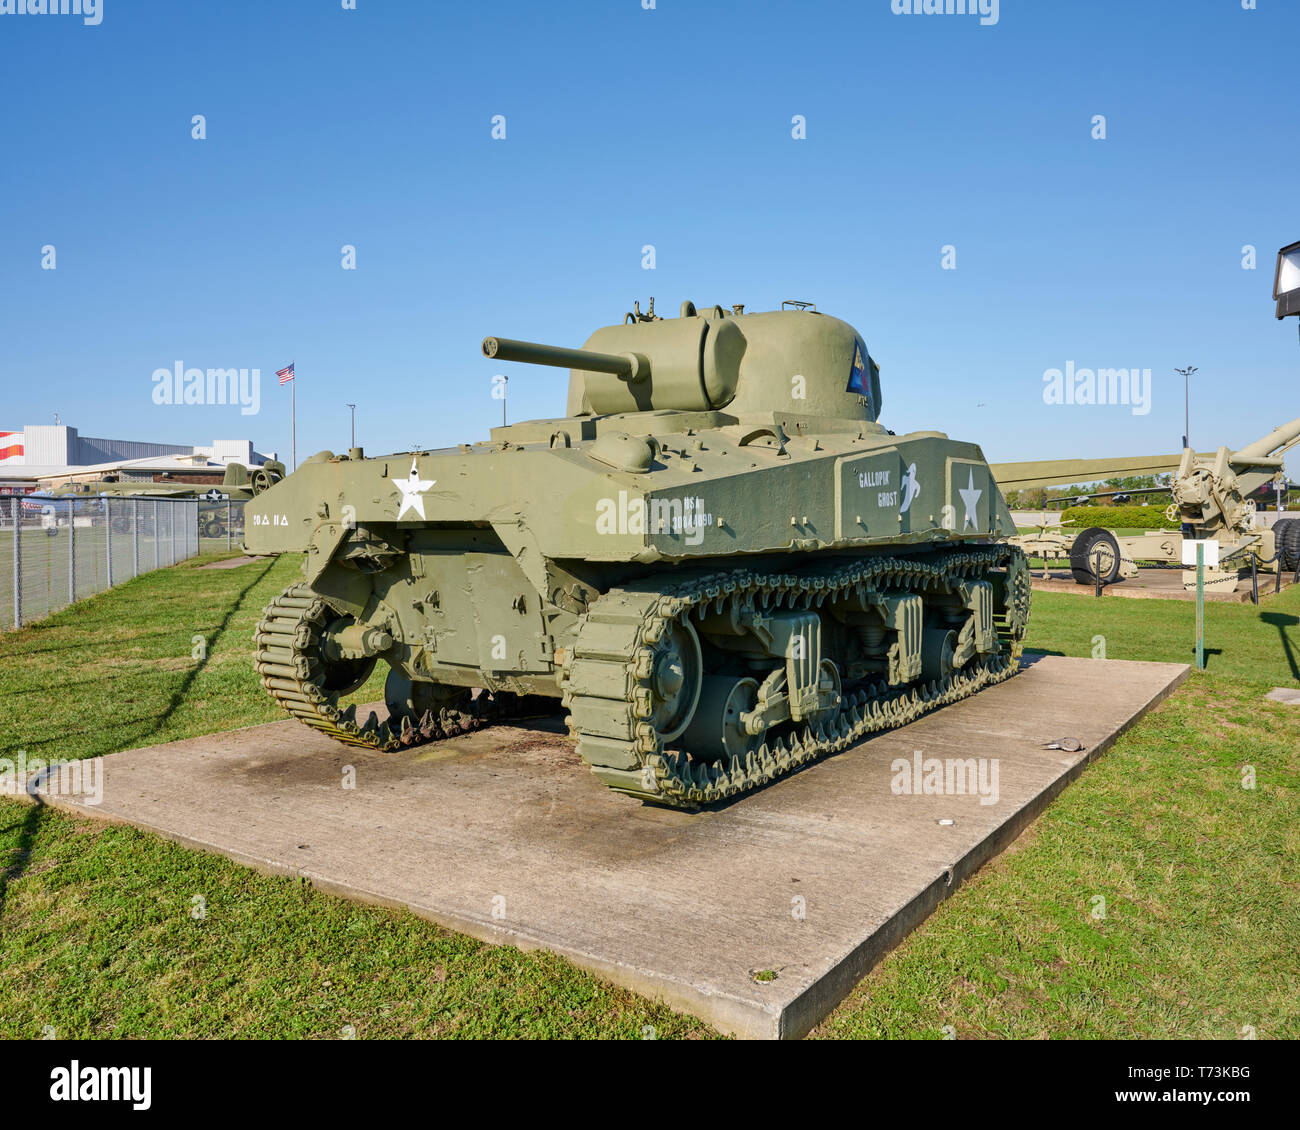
(531, 353)
(1278, 438)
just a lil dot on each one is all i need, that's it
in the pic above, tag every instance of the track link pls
(607, 677)
(294, 672)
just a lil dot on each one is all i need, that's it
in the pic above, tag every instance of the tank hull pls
(510, 541)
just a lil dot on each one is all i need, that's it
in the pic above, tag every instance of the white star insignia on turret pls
(412, 489)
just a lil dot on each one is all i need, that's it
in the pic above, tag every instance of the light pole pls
(353, 409)
(1187, 413)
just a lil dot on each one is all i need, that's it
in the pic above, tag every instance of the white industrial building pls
(58, 445)
(49, 455)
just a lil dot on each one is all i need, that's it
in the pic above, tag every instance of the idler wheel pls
(1017, 595)
(676, 676)
(342, 676)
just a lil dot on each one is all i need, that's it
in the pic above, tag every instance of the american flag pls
(285, 374)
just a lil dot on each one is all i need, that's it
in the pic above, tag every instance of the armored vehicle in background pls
(719, 560)
(237, 482)
(238, 485)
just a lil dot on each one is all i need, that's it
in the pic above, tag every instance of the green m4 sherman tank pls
(718, 560)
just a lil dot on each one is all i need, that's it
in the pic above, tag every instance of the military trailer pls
(719, 562)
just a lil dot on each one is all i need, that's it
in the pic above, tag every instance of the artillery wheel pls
(1286, 542)
(1095, 551)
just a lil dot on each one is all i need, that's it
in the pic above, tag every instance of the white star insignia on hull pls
(412, 489)
(970, 495)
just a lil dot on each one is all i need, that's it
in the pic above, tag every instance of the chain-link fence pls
(220, 524)
(54, 551)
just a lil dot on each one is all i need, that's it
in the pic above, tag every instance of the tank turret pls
(794, 358)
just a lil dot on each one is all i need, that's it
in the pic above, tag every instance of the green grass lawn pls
(1199, 875)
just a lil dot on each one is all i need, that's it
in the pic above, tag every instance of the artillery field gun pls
(1210, 500)
(719, 561)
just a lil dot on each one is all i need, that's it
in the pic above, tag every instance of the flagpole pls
(293, 419)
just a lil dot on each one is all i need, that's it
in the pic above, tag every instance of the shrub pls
(1118, 517)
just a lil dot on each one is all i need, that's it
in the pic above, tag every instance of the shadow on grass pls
(138, 729)
(29, 826)
(210, 639)
(97, 728)
(76, 644)
(22, 853)
(1208, 652)
(78, 685)
(1281, 621)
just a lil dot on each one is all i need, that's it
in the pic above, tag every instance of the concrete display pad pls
(1159, 584)
(505, 835)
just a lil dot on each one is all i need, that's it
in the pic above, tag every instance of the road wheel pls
(715, 732)
(413, 699)
(1095, 551)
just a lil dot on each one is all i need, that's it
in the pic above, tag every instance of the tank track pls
(289, 661)
(614, 653)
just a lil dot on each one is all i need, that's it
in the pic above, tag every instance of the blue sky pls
(627, 127)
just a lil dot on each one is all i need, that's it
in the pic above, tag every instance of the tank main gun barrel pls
(627, 366)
